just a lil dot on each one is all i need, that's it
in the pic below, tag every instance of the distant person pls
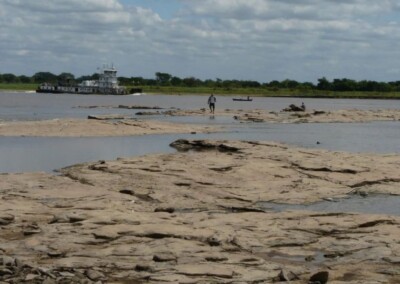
(303, 106)
(211, 103)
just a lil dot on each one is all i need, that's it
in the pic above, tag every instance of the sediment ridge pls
(95, 126)
(122, 125)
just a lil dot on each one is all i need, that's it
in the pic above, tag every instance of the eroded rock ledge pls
(194, 217)
(308, 116)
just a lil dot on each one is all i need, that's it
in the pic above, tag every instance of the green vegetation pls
(267, 92)
(167, 84)
(18, 86)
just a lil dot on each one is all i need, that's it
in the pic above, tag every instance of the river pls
(20, 154)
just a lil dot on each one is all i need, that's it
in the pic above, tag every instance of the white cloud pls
(243, 39)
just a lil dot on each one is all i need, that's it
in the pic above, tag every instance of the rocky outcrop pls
(293, 107)
(196, 217)
(296, 114)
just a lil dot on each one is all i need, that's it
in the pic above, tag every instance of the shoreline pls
(271, 94)
(120, 125)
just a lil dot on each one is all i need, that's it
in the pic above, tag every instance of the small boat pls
(248, 99)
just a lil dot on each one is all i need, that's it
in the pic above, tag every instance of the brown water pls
(21, 154)
(23, 106)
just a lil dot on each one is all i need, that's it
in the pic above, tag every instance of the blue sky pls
(260, 40)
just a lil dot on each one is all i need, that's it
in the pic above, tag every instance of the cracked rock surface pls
(194, 217)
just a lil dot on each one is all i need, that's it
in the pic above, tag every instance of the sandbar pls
(119, 125)
(74, 127)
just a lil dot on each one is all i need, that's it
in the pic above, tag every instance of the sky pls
(261, 40)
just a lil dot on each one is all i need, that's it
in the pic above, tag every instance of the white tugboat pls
(106, 85)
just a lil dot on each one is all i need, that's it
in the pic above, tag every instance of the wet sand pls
(195, 217)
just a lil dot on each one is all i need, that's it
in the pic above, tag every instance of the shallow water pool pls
(373, 204)
(20, 154)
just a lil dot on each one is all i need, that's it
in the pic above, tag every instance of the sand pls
(101, 126)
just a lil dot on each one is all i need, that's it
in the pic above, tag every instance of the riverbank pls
(171, 218)
(253, 92)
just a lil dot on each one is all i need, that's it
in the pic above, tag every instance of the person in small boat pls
(211, 103)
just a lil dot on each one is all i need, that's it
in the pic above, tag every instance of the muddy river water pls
(18, 154)
(25, 154)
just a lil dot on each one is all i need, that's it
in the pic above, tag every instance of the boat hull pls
(81, 91)
(242, 100)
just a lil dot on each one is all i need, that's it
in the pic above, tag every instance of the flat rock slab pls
(195, 217)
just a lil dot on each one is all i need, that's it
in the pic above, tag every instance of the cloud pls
(70, 6)
(233, 39)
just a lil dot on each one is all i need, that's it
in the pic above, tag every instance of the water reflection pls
(27, 154)
(374, 204)
(28, 106)
(19, 154)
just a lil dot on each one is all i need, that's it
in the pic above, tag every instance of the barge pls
(106, 85)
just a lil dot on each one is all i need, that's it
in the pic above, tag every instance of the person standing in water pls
(211, 103)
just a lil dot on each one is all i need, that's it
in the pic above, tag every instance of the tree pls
(228, 84)
(124, 80)
(163, 78)
(9, 78)
(306, 86)
(191, 82)
(210, 83)
(289, 84)
(25, 79)
(138, 81)
(66, 78)
(274, 84)
(44, 77)
(323, 84)
(344, 85)
(250, 84)
(176, 81)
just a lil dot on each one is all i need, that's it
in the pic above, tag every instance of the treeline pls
(45, 77)
(165, 79)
